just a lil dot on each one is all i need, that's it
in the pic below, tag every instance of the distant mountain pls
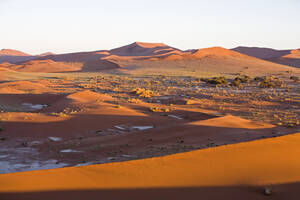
(285, 57)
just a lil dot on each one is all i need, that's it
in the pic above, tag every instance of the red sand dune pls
(159, 57)
(46, 66)
(46, 54)
(228, 172)
(142, 49)
(89, 96)
(262, 53)
(21, 87)
(11, 52)
(284, 57)
(213, 60)
(14, 56)
(291, 59)
(293, 54)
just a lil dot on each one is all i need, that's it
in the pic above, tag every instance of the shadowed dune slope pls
(284, 57)
(262, 53)
(11, 52)
(14, 56)
(291, 59)
(268, 161)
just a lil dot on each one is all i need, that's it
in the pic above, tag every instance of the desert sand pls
(149, 121)
(232, 171)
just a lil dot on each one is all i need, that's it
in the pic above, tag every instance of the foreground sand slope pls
(257, 163)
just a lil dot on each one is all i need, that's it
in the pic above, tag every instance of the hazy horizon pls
(72, 26)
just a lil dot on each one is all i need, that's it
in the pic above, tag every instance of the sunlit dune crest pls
(12, 52)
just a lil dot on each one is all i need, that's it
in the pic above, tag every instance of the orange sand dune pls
(263, 162)
(14, 56)
(46, 54)
(11, 52)
(262, 53)
(89, 96)
(150, 45)
(291, 59)
(21, 87)
(141, 49)
(293, 54)
(215, 60)
(157, 58)
(284, 57)
(46, 66)
(230, 121)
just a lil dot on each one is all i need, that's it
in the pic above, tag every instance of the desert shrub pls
(118, 106)
(269, 82)
(216, 80)
(134, 100)
(243, 79)
(266, 84)
(236, 83)
(295, 78)
(156, 109)
(141, 92)
(258, 78)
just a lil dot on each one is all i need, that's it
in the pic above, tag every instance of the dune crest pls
(89, 96)
(150, 45)
(12, 52)
(45, 66)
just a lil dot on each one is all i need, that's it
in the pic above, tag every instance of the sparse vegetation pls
(236, 83)
(243, 79)
(141, 92)
(156, 109)
(295, 78)
(134, 101)
(216, 80)
(269, 82)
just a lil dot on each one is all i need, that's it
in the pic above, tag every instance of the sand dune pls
(14, 56)
(262, 53)
(284, 57)
(291, 59)
(21, 87)
(158, 58)
(89, 96)
(45, 66)
(214, 60)
(258, 163)
(11, 52)
(46, 54)
(230, 122)
(142, 49)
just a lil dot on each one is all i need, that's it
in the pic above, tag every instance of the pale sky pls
(61, 26)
